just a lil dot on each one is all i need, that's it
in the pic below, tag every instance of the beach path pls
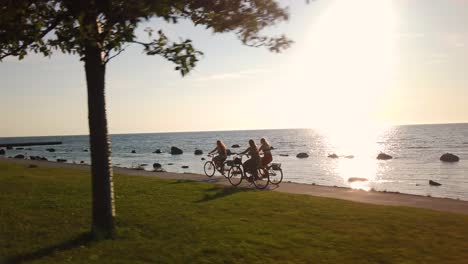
(372, 197)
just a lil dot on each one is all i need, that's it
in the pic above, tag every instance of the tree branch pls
(27, 43)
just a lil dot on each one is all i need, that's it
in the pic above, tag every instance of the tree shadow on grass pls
(79, 240)
(181, 181)
(220, 192)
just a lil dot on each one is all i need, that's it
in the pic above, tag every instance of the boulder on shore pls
(2, 152)
(61, 160)
(433, 183)
(176, 151)
(302, 155)
(157, 165)
(449, 157)
(235, 146)
(355, 179)
(198, 152)
(383, 156)
(20, 156)
(333, 156)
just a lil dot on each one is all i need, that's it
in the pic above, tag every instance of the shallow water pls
(416, 150)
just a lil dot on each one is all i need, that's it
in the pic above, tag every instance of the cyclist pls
(252, 164)
(266, 149)
(221, 157)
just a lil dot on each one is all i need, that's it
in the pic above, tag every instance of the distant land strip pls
(25, 144)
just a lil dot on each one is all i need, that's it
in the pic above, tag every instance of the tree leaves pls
(41, 26)
(183, 54)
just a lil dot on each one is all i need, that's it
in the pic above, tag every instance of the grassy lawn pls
(45, 216)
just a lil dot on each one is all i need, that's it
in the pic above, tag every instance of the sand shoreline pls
(372, 197)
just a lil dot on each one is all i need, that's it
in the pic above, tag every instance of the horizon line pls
(207, 131)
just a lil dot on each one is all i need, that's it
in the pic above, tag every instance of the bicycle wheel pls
(235, 175)
(261, 179)
(209, 168)
(275, 175)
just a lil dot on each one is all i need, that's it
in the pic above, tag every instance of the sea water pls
(416, 150)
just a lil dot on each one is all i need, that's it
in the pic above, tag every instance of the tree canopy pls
(45, 26)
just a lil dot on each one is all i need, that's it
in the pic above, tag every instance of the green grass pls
(45, 216)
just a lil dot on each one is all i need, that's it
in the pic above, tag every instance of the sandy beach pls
(372, 197)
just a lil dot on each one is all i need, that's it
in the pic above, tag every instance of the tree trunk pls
(101, 169)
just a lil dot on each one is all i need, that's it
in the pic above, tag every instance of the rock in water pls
(50, 150)
(19, 148)
(433, 183)
(349, 157)
(133, 151)
(284, 155)
(176, 151)
(19, 156)
(355, 179)
(235, 146)
(185, 167)
(333, 156)
(383, 156)
(158, 151)
(198, 152)
(9, 147)
(302, 155)
(202, 158)
(449, 157)
(2, 152)
(157, 166)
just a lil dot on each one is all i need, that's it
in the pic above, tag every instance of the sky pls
(353, 63)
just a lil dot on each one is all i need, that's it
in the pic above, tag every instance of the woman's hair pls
(264, 141)
(252, 144)
(221, 145)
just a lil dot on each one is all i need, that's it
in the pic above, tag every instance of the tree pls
(98, 30)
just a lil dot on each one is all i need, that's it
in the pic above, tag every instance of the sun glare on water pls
(348, 68)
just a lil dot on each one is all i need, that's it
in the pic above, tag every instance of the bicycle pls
(275, 173)
(237, 173)
(210, 167)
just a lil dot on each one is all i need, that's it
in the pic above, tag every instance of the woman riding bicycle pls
(222, 153)
(252, 164)
(266, 149)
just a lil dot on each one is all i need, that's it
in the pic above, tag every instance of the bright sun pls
(347, 64)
